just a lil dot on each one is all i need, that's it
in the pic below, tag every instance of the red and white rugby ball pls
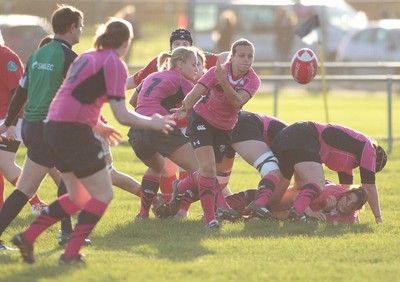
(304, 66)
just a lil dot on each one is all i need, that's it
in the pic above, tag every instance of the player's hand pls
(3, 129)
(330, 203)
(110, 135)
(161, 123)
(316, 214)
(180, 113)
(220, 71)
(11, 133)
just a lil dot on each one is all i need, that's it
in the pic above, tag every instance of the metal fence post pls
(276, 90)
(278, 71)
(390, 133)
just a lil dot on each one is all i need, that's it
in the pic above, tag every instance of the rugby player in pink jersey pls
(179, 38)
(216, 101)
(303, 147)
(44, 73)
(334, 204)
(159, 93)
(96, 77)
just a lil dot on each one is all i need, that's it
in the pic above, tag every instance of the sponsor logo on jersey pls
(42, 66)
(196, 143)
(100, 155)
(12, 66)
(201, 127)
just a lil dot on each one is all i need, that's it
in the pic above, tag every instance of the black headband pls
(381, 159)
(180, 34)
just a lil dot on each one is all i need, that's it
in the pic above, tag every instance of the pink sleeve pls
(116, 74)
(368, 157)
(253, 84)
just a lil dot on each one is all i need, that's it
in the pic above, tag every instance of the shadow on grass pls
(169, 237)
(173, 240)
(35, 272)
(178, 240)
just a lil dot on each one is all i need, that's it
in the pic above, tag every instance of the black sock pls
(66, 224)
(11, 208)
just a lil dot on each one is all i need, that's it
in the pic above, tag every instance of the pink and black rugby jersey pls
(332, 189)
(162, 91)
(271, 126)
(93, 78)
(343, 149)
(214, 106)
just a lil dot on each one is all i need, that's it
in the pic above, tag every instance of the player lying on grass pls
(334, 204)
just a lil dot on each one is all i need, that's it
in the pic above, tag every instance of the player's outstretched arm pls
(133, 119)
(373, 201)
(130, 83)
(187, 104)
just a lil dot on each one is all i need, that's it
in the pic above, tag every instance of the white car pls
(255, 22)
(378, 42)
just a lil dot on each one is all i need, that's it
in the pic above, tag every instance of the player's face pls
(77, 31)
(200, 68)
(243, 58)
(179, 43)
(189, 68)
(126, 45)
(330, 203)
(347, 203)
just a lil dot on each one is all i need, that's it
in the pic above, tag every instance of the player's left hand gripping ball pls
(304, 66)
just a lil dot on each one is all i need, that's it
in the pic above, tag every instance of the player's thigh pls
(185, 158)
(99, 185)
(8, 166)
(310, 172)
(155, 162)
(31, 177)
(251, 150)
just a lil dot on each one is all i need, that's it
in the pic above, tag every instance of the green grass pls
(172, 250)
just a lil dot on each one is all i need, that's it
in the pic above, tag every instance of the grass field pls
(173, 250)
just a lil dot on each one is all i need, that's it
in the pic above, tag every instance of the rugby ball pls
(304, 66)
